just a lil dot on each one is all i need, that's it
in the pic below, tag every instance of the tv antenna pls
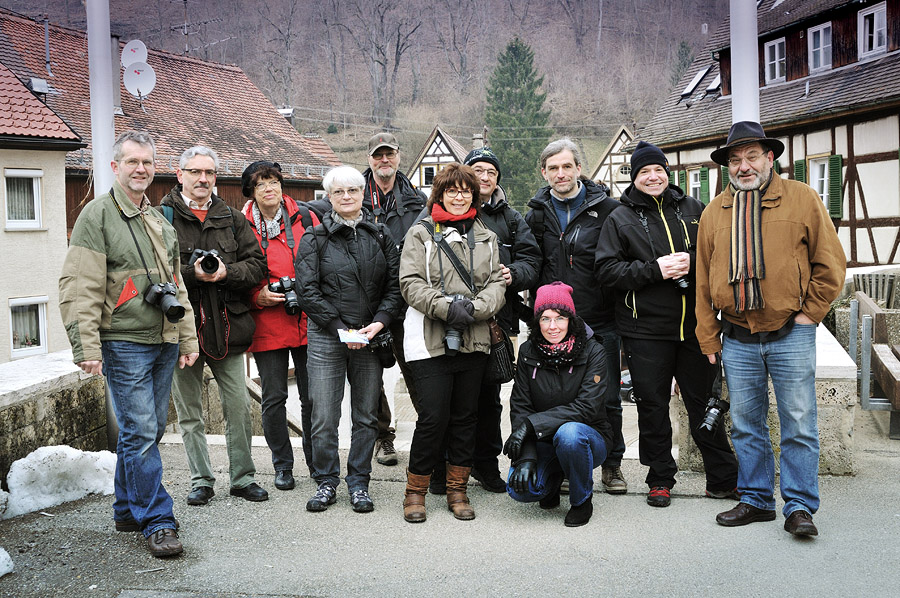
(187, 29)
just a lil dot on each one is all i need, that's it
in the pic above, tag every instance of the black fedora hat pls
(746, 131)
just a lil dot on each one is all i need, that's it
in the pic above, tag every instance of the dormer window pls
(774, 53)
(872, 31)
(819, 48)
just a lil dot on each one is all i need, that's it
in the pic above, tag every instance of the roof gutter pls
(19, 142)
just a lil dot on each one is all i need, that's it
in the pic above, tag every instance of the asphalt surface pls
(235, 548)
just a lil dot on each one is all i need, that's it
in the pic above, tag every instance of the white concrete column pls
(744, 61)
(101, 86)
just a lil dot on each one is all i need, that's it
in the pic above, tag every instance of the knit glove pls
(459, 314)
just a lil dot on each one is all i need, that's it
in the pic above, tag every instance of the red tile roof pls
(194, 102)
(23, 115)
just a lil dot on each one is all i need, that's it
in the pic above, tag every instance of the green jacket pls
(101, 289)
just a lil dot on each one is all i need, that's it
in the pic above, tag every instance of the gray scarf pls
(272, 227)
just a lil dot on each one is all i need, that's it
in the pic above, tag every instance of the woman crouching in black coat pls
(556, 408)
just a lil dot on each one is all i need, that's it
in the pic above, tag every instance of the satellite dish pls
(134, 51)
(139, 79)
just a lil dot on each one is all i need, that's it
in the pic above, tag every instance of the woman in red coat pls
(279, 222)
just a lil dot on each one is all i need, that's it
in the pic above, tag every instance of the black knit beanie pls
(483, 154)
(646, 154)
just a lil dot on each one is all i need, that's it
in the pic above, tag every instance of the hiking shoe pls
(613, 480)
(323, 497)
(490, 480)
(361, 501)
(385, 453)
(733, 494)
(659, 496)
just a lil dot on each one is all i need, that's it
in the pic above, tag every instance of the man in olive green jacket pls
(129, 319)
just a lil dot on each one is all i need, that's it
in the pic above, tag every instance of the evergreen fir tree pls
(517, 121)
(683, 60)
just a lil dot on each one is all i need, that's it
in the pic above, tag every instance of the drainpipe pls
(744, 61)
(102, 129)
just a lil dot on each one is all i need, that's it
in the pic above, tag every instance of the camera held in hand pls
(209, 260)
(715, 411)
(453, 336)
(162, 295)
(287, 285)
(382, 346)
(682, 284)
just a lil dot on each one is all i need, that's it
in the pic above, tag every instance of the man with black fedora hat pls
(770, 262)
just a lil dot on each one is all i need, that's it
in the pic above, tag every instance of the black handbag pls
(501, 367)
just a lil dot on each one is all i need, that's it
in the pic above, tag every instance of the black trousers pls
(488, 440)
(385, 430)
(653, 363)
(447, 389)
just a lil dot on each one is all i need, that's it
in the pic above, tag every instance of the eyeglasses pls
(558, 320)
(198, 171)
(750, 158)
(262, 186)
(454, 193)
(352, 191)
(492, 174)
(382, 155)
(134, 162)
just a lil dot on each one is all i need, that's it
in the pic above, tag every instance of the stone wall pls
(45, 401)
(212, 407)
(836, 401)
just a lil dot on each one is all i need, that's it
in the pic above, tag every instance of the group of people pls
(377, 273)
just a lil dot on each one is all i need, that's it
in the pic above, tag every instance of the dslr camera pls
(287, 285)
(716, 408)
(382, 346)
(162, 295)
(682, 284)
(209, 262)
(453, 336)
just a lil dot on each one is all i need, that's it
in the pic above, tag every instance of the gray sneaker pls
(385, 453)
(323, 497)
(361, 501)
(613, 480)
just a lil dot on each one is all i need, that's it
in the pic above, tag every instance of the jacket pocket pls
(129, 292)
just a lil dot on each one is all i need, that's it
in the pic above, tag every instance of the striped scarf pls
(747, 266)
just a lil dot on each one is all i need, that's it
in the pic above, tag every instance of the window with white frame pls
(321, 194)
(428, 173)
(28, 326)
(818, 177)
(694, 182)
(23, 198)
(819, 47)
(774, 52)
(872, 31)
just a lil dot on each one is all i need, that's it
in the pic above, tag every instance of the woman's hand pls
(461, 313)
(370, 331)
(267, 298)
(524, 474)
(513, 446)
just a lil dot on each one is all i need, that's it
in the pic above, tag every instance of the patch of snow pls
(52, 475)
(6, 564)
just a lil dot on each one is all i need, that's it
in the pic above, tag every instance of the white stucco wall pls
(881, 187)
(876, 136)
(32, 259)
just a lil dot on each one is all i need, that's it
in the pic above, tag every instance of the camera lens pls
(209, 264)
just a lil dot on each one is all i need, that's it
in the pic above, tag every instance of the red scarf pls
(439, 214)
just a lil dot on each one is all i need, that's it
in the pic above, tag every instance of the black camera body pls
(287, 286)
(162, 295)
(209, 262)
(382, 345)
(716, 408)
(453, 336)
(682, 284)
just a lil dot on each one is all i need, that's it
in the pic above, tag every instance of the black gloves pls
(459, 315)
(524, 473)
(513, 446)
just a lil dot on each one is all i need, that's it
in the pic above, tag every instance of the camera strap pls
(643, 218)
(438, 237)
(112, 197)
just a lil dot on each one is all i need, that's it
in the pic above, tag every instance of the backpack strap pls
(169, 213)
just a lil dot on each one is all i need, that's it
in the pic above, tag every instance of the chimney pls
(116, 74)
(47, 45)
(477, 141)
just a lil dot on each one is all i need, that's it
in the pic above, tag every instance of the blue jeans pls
(611, 345)
(791, 362)
(328, 363)
(576, 450)
(139, 379)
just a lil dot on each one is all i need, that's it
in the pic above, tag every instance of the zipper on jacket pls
(573, 239)
(672, 247)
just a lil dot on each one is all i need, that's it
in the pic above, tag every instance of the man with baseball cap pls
(769, 260)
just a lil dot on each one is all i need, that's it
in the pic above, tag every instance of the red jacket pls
(275, 329)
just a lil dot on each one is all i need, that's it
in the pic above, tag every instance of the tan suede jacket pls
(804, 260)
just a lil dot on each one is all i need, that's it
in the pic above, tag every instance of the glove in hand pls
(513, 446)
(524, 474)
(459, 315)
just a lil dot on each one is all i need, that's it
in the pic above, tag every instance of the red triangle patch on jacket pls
(129, 292)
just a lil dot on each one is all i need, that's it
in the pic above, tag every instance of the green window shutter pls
(835, 185)
(725, 181)
(682, 179)
(777, 167)
(704, 185)
(800, 170)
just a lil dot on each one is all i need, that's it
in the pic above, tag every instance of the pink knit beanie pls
(557, 296)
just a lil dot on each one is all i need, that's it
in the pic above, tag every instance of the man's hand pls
(91, 367)
(802, 318)
(524, 474)
(216, 276)
(712, 358)
(507, 275)
(187, 360)
(267, 298)
(674, 265)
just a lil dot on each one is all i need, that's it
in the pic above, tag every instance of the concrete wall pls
(44, 401)
(32, 259)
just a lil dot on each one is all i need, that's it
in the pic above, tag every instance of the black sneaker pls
(490, 480)
(323, 497)
(361, 501)
(659, 496)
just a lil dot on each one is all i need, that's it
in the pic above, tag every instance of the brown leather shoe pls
(414, 501)
(130, 525)
(743, 514)
(457, 500)
(800, 523)
(164, 543)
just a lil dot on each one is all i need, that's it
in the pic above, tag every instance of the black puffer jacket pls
(519, 251)
(549, 396)
(227, 231)
(569, 257)
(349, 276)
(646, 305)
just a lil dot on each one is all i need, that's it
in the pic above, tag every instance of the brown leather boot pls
(457, 501)
(414, 502)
